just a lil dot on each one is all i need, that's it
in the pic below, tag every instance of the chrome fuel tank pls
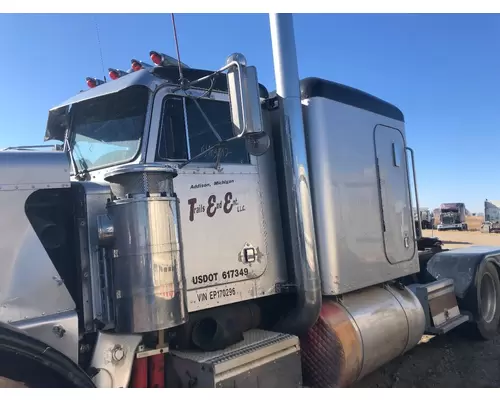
(359, 333)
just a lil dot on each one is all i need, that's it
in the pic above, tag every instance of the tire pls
(466, 228)
(483, 301)
(26, 360)
(17, 372)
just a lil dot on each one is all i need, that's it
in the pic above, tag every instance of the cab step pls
(262, 359)
(440, 306)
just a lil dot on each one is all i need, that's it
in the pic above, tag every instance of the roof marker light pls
(138, 65)
(156, 57)
(93, 82)
(163, 60)
(116, 73)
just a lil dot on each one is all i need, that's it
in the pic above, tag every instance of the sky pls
(441, 70)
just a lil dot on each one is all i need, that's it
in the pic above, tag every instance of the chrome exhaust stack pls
(301, 240)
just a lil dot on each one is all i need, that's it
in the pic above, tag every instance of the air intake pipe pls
(142, 229)
(301, 239)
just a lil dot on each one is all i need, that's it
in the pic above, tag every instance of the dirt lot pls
(474, 223)
(456, 239)
(450, 360)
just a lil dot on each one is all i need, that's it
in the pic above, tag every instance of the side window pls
(172, 141)
(201, 136)
(172, 138)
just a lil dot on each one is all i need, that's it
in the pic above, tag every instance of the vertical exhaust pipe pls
(301, 240)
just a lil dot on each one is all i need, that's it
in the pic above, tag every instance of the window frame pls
(162, 99)
(158, 157)
(72, 134)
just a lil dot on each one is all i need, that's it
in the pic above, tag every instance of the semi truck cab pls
(200, 231)
(452, 216)
(491, 216)
(426, 217)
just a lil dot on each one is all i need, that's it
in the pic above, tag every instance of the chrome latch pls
(249, 254)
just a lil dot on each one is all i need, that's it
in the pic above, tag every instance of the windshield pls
(108, 130)
(450, 217)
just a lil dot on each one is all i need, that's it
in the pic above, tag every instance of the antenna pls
(100, 48)
(181, 76)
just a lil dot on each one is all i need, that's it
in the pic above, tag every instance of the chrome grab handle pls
(419, 232)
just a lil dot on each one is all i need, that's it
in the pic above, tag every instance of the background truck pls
(200, 231)
(491, 216)
(426, 217)
(452, 216)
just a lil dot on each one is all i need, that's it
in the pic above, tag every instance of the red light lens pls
(114, 75)
(91, 83)
(136, 66)
(156, 58)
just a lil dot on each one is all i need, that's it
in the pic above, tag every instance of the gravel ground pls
(7, 383)
(445, 361)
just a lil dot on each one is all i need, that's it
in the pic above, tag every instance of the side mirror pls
(244, 97)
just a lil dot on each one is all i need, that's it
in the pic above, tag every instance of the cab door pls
(397, 218)
(223, 236)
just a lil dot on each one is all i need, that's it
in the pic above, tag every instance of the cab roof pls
(151, 78)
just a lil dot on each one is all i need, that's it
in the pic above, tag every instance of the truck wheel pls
(483, 300)
(26, 361)
(466, 228)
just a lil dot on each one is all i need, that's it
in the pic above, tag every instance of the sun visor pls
(58, 119)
